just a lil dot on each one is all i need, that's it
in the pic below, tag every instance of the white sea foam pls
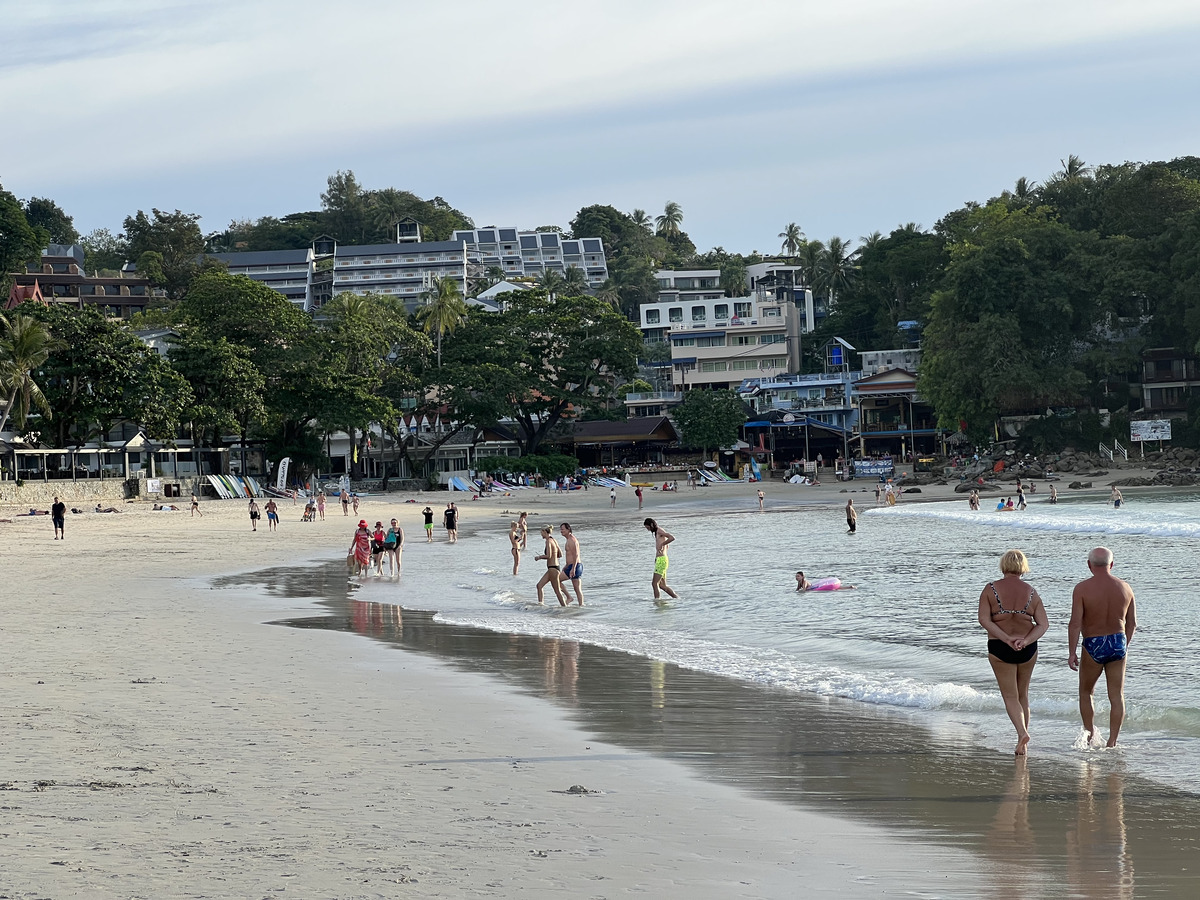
(1159, 521)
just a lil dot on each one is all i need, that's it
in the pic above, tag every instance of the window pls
(684, 342)
(771, 312)
(744, 340)
(743, 310)
(653, 316)
(712, 366)
(721, 311)
(699, 314)
(773, 362)
(711, 341)
(675, 314)
(741, 365)
(773, 339)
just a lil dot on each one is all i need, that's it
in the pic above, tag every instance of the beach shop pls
(892, 417)
(785, 438)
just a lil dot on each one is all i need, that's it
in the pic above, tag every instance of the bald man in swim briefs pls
(1103, 610)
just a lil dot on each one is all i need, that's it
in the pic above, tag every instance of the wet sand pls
(162, 739)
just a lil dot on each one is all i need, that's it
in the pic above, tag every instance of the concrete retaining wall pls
(40, 494)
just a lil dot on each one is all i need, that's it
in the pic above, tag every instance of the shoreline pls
(177, 747)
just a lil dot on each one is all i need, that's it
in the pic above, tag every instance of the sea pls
(904, 641)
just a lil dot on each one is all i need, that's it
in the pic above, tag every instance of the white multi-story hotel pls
(781, 282)
(530, 253)
(404, 270)
(287, 271)
(720, 341)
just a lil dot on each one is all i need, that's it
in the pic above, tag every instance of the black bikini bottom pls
(1007, 654)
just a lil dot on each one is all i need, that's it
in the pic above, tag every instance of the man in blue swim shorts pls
(572, 569)
(1103, 611)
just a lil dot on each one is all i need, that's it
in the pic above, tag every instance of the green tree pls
(836, 269)
(347, 208)
(537, 362)
(227, 388)
(20, 242)
(99, 374)
(103, 251)
(552, 282)
(443, 311)
(1007, 331)
(671, 221)
(177, 240)
(642, 220)
(49, 216)
(25, 345)
(709, 419)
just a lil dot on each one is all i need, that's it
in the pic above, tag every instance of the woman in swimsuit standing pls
(1012, 614)
(550, 555)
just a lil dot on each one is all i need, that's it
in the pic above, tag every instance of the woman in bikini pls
(552, 576)
(1012, 614)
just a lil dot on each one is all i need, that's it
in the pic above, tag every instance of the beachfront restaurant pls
(784, 438)
(625, 442)
(892, 418)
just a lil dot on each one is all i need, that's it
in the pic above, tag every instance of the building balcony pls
(655, 397)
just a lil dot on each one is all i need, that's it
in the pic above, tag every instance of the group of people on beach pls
(1102, 613)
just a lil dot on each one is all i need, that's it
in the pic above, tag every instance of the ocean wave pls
(1071, 520)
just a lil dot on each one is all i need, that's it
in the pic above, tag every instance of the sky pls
(844, 117)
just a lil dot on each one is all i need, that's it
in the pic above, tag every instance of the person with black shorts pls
(450, 520)
(254, 516)
(58, 514)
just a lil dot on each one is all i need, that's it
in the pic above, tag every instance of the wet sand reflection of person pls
(1011, 841)
(1098, 858)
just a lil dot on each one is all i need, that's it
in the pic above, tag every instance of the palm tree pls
(670, 221)
(836, 268)
(444, 310)
(641, 220)
(1073, 167)
(575, 282)
(609, 293)
(810, 259)
(25, 345)
(869, 242)
(792, 238)
(1024, 188)
(551, 282)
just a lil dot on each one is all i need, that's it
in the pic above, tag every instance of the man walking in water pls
(612, 497)
(1102, 608)
(761, 498)
(851, 515)
(661, 539)
(572, 569)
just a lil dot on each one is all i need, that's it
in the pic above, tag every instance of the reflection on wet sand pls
(1098, 857)
(1046, 831)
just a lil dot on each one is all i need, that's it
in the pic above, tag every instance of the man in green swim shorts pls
(661, 539)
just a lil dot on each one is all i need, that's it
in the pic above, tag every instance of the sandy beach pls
(164, 739)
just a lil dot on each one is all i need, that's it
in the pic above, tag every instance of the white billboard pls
(1150, 430)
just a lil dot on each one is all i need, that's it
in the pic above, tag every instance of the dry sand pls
(161, 741)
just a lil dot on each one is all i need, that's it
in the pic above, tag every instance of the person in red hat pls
(360, 548)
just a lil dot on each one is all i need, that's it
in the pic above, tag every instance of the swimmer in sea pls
(801, 583)
(514, 539)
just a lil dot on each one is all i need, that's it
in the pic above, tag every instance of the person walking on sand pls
(661, 540)
(393, 544)
(321, 505)
(1103, 611)
(761, 500)
(354, 501)
(196, 507)
(514, 540)
(344, 496)
(254, 515)
(612, 497)
(359, 554)
(272, 516)
(638, 493)
(523, 523)
(427, 512)
(58, 517)
(1011, 612)
(450, 520)
(551, 555)
(572, 569)
(851, 516)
